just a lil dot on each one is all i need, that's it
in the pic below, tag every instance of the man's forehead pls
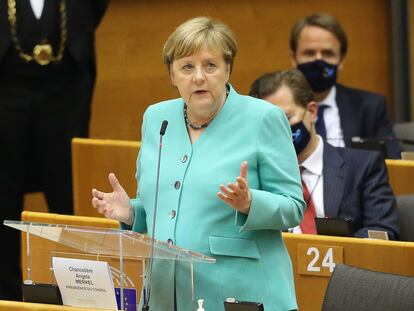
(317, 35)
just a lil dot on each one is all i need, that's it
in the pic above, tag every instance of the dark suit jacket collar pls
(333, 179)
(5, 40)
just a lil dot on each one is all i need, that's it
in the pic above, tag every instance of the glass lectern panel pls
(125, 251)
(101, 241)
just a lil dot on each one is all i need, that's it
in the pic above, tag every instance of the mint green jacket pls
(252, 262)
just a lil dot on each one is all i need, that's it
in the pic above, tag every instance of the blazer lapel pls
(346, 116)
(333, 180)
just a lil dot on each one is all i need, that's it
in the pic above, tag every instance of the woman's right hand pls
(115, 205)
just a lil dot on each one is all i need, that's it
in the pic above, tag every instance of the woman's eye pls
(187, 67)
(211, 67)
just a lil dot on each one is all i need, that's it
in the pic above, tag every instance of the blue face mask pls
(300, 136)
(321, 75)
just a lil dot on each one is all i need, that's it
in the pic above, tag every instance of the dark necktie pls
(308, 222)
(320, 123)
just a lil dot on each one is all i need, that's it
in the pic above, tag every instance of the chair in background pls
(400, 174)
(405, 131)
(92, 161)
(356, 289)
(405, 206)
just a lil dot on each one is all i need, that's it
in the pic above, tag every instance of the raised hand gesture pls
(114, 205)
(237, 195)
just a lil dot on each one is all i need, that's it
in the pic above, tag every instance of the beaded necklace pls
(201, 126)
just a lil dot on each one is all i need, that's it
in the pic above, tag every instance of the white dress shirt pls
(313, 179)
(37, 7)
(334, 134)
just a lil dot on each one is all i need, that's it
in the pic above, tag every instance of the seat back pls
(356, 289)
(405, 130)
(92, 161)
(400, 174)
(405, 205)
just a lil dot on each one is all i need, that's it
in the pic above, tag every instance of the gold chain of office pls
(42, 52)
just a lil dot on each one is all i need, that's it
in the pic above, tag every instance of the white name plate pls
(85, 283)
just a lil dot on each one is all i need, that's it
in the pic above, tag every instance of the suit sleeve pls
(279, 203)
(383, 128)
(379, 205)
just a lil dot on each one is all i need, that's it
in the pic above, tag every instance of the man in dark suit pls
(338, 182)
(318, 46)
(47, 76)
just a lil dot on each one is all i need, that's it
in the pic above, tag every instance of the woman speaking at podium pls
(228, 181)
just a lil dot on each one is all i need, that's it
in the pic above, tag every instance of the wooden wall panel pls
(131, 75)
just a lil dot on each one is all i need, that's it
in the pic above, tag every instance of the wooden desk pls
(22, 306)
(386, 256)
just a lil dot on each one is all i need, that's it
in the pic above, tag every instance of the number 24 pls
(327, 261)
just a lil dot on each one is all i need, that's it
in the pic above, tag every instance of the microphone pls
(163, 128)
(385, 139)
(147, 289)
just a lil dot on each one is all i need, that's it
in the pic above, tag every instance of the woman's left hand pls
(238, 194)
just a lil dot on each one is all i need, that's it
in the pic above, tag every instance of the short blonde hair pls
(193, 34)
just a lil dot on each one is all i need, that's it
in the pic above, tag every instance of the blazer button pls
(172, 214)
(184, 158)
(177, 185)
(169, 241)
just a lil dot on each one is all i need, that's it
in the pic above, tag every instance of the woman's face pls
(201, 80)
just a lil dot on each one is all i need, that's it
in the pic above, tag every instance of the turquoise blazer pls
(252, 262)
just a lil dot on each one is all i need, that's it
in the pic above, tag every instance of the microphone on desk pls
(374, 139)
(147, 287)
(384, 139)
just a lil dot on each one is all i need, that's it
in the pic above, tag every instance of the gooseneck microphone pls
(147, 288)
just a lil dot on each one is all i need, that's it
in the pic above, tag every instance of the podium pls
(120, 248)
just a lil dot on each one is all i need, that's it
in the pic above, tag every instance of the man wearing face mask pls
(337, 182)
(318, 46)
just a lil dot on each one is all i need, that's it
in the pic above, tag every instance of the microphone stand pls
(147, 289)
